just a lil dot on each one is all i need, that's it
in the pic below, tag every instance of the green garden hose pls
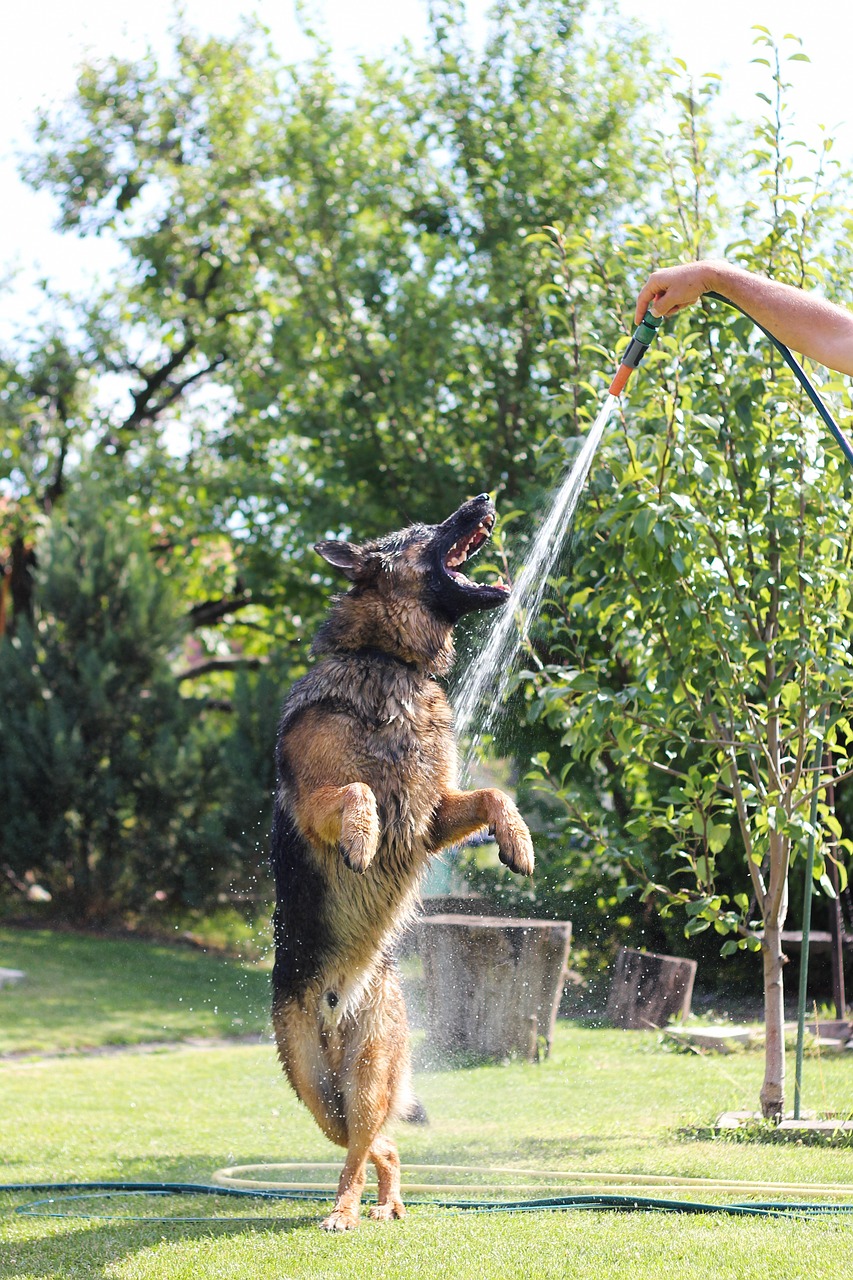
(801, 376)
(60, 1198)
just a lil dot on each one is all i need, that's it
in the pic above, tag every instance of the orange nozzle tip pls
(623, 373)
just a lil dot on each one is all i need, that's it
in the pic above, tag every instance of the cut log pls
(649, 990)
(493, 984)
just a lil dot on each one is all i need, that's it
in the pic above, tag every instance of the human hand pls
(673, 288)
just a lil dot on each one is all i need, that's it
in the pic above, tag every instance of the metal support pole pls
(807, 916)
(836, 927)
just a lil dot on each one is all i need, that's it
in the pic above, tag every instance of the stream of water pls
(491, 668)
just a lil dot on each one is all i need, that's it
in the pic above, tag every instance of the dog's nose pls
(482, 497)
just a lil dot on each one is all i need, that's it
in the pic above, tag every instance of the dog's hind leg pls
(375, 1084)
(386, 1161)
(300, 1050)
(367, 1144)
(344, 1216)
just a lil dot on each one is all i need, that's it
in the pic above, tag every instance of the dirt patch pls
(145, 1046)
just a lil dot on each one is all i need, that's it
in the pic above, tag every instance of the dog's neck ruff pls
(364, 627)
(374, 688)
(372, 654)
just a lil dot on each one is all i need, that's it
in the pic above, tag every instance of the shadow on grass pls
(98, 1245)
(100, 1230)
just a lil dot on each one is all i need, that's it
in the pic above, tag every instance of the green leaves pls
(328, 315)
(710, 565)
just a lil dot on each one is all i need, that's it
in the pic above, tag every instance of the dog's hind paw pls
(340, 1220)
(387, 1211)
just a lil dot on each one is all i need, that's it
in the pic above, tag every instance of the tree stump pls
(648, 990)
(493, 984)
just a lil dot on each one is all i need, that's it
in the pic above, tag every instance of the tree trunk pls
(775, 912)
(21, 571)
(648, 990)
(493, 984)
(773, 1089)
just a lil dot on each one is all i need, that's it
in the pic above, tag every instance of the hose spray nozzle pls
(637, 348)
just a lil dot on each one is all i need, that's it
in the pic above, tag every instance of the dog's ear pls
(342, 555)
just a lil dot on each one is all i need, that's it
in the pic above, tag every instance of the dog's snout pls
(482, 497)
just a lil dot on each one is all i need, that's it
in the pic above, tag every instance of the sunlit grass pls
(81, 991)
(604, 1102)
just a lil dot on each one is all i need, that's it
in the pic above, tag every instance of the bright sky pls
(43, 42)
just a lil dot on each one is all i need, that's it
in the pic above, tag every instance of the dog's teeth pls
(465, 547)
(458, 554)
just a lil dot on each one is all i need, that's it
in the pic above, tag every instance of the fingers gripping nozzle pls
(637, 348)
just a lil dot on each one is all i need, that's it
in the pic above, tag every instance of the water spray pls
(498, 656)
(637, 348)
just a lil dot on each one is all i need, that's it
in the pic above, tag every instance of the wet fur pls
(367, 793)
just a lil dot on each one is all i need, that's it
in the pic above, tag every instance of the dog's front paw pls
(358, 852)
(359, 828)
(515, 847)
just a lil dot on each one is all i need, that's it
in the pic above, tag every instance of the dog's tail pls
(414, 1112)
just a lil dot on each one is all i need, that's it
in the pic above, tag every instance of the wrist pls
(713, 274)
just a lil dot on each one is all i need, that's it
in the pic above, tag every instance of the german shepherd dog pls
(367, 793)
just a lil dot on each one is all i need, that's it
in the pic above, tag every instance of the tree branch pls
(232, 663)
(212, 611)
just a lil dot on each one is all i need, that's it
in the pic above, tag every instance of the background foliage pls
(328, 319)
(339, 312)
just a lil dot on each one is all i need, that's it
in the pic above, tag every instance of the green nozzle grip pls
(640, 342)
(647, 328)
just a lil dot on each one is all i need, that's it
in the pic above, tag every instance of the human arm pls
(802, 321)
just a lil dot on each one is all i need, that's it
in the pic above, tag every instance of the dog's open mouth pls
(466, 547)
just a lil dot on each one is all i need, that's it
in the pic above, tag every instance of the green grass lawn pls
(605, 1101)
(85, 992)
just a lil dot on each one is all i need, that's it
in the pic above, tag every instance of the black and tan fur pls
(367, 794)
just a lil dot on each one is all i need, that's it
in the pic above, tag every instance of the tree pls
(704, 668)
(326, 317)
(101, 765)
(328, 307)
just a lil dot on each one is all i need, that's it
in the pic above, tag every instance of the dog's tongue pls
(498, 583)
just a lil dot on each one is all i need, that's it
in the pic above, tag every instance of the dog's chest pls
(386, 725)
(411, 752)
